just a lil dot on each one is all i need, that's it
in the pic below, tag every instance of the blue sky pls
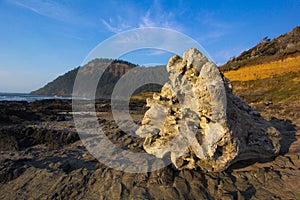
(41, 39)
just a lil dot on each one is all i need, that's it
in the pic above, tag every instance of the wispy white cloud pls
(147, 21)
(155, 16)
(116, 25)
(54, 10)
(46, 8)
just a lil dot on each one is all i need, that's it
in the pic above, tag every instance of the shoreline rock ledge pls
(197, 122)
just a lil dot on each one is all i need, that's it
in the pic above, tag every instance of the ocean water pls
(27, 97)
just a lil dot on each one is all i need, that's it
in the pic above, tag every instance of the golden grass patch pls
(263, 71)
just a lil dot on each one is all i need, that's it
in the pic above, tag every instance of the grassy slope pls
(274, 81)
(266, 70)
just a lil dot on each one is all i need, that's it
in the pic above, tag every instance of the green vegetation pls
(60, 86)
(63, 85)
(284, 87)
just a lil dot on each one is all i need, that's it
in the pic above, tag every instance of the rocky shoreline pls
(42, 157)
